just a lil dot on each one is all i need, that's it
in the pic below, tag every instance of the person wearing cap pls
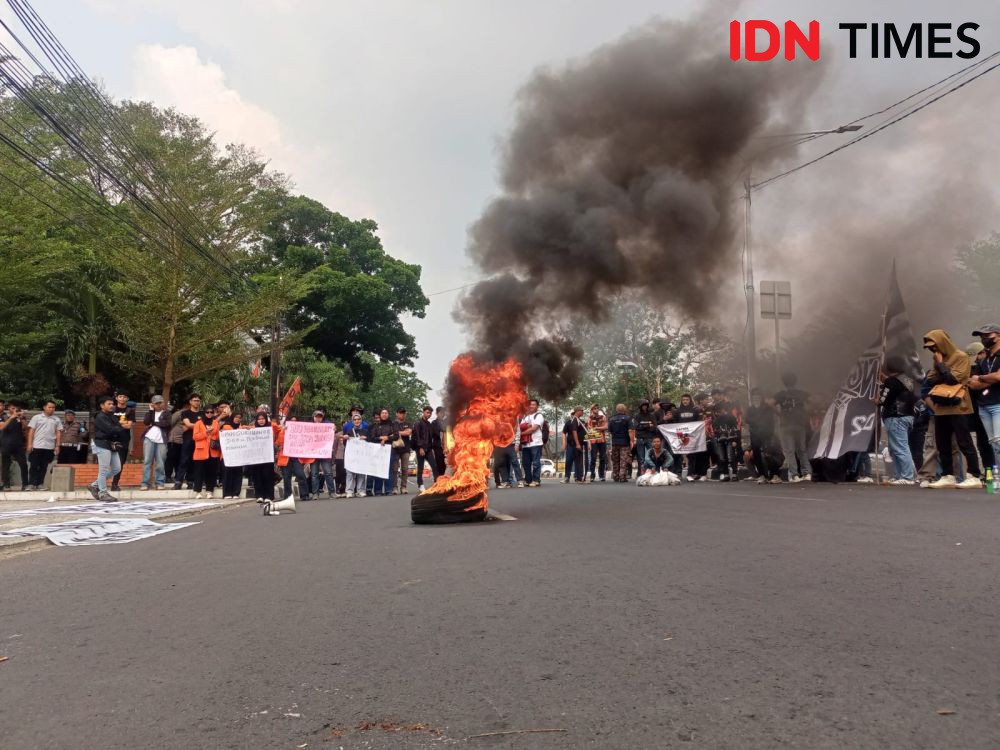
(985, 383)
(75, 439)
(324, 465)
(154, 443)
(977, 353)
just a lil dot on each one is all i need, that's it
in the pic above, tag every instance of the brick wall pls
(85, 474)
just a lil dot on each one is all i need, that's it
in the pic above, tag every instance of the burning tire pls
(437, 508)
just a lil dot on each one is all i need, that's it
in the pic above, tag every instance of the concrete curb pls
(14, 547)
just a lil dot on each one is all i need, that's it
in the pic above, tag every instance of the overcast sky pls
(393, 109)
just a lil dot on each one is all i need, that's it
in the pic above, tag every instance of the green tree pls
(359, 295)
(180, 306)
(392, 386)
(978, 265)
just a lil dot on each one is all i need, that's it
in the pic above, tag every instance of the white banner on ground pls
(247, 447)
(97, 531)
(363, 457)
(309, 440)
(684, 437)
(150, 508)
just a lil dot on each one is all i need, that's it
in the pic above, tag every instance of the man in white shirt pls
(531, 444)
(44, 437)
(154, 443)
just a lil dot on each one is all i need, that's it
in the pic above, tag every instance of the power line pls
(889, 123)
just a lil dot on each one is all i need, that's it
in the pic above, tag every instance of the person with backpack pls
(621, 430)
(533, 437)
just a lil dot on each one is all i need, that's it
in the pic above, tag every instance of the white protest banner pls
(145, 508)
(309, 439)
(362, 457)
(684, 437)
(97, 531)
(247, 447)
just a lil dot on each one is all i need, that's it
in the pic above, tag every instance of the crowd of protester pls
(181, 449)
(942, 431)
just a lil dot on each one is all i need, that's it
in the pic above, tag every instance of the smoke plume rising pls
(623, 172)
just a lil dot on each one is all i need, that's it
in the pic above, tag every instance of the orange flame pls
(489, 420)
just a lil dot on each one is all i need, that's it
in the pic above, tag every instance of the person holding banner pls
(384, 432)
(262, 474)
(206, 455)
(232, 476)
(356, 482)
(292, 467)
(324, 465)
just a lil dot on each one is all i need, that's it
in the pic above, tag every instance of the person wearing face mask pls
(951, 404)
(977, 353)
(986, 384)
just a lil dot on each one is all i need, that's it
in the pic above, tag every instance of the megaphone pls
(274, 508)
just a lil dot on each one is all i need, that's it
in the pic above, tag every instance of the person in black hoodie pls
(897, 400)
(645, 431)
(109, 437)
(689, 411)
(762, 420)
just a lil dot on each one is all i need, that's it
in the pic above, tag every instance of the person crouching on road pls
(951, 406)
(658, 459)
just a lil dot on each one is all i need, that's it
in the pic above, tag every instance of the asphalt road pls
(716, 616)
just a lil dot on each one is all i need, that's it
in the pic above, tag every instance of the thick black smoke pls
(623, 171)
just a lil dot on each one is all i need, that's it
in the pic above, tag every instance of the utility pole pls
(751, 338)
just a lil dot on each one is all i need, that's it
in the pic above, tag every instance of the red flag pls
(289, 399)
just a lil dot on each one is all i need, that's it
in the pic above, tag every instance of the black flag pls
(850, 420)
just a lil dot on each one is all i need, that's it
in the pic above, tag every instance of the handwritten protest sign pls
(247, 447)
(309, 439)
(372, 459)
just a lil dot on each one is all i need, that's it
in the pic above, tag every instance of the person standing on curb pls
(44, 438)
(154, 444)
(109, 433)
(125, 415)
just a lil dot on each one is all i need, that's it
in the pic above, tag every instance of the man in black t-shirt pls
(574, 434)
(645, 431)
(189, 417)
(12, 445)
(401, 455)
(793, 405)
(125, 415)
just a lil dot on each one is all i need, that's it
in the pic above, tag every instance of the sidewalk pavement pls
(12, 501)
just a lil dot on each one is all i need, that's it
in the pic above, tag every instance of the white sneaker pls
(925, 483)
(761, 480)
(902, 482)
(864, 480)
(362, 494)
(348, 494)
(521, 485)
(970, 483)
(795, 480)
(807, 478)
(946, 482)
(776, 480)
